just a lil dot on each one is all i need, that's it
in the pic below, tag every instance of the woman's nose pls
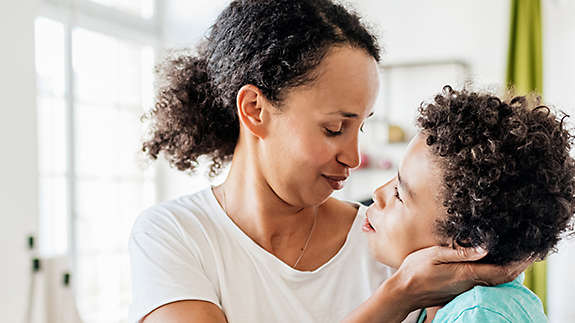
(350, 154)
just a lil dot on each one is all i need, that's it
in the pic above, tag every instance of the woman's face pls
(403, 217)
(313, 141)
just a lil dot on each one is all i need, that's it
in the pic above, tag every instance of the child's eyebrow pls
(405, 187)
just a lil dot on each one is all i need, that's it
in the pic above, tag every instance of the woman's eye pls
(397, 194)
(334, 131)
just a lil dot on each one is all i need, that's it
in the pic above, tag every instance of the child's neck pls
(430, 313)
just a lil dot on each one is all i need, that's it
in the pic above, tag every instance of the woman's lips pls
(336, 182)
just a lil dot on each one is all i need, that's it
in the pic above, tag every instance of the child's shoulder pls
(510, 302)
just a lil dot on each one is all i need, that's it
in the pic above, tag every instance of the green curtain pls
(525, 75)
(524, 60)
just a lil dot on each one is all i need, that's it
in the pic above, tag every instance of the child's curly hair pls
(508, 177)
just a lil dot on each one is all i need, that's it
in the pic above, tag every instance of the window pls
(93, 86)
(142, 8)
(52, 136)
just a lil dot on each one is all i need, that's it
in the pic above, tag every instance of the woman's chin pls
(304, 195)
(318, 197)
(320, 193)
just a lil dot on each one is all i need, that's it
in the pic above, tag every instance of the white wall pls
(18, 159)
(559, 53)
(185, 22)
(474, 31)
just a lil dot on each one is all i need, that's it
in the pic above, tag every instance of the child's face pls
(403, 217)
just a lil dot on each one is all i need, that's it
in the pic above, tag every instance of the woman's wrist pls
(392, 301)
(387, 304)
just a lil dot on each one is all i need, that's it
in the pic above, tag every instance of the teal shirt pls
(510, 302)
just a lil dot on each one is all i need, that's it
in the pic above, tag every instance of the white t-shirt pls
(189, 249)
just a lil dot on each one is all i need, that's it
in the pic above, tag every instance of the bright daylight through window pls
(93, 87)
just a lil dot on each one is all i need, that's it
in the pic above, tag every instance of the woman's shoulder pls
(185, 212)
(345, 209)
(339, 221)
(510, 302)
(342, 214)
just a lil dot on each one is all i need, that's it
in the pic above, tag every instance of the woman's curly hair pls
(508, 177)
(272, 44)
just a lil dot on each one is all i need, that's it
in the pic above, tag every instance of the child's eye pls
(361, 128)
(397, 194)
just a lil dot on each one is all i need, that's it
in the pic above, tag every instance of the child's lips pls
(367, 227)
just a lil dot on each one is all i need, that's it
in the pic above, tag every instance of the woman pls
(481, 172)
(281, 88)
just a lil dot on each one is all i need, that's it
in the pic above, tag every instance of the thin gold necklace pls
(225, 207)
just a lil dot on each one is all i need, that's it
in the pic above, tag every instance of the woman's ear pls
(251, 105)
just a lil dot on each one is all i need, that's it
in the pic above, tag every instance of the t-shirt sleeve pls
(165, 267)
(480, 315)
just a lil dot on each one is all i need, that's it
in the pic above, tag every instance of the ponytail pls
(187, 122)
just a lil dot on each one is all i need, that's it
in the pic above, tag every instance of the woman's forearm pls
(385, 305)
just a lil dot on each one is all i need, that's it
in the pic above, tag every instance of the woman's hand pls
(435, 275)
(429, 277)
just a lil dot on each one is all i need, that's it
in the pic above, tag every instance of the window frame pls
(84, 14)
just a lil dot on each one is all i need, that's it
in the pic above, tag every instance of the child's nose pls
(379, 197)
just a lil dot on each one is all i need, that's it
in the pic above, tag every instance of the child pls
(481, 172)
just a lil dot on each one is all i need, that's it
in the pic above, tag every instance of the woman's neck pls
(253, 205)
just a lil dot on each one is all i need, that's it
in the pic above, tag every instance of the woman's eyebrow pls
(405, 187)
(349, 115)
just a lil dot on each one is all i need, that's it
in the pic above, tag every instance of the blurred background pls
(78, 74)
